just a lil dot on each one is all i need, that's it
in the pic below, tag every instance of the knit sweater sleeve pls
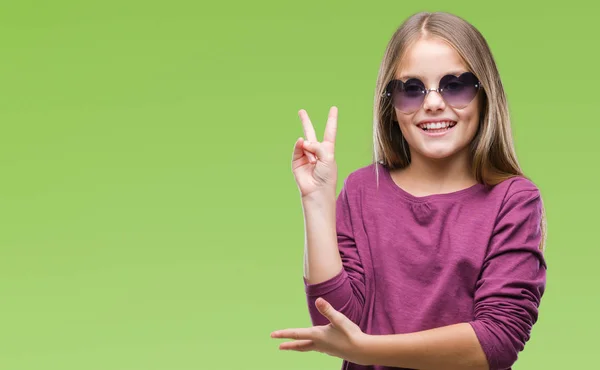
(345, 291)
(512, 280)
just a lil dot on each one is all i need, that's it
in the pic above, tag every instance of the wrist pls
(364, 343)
(319, 197)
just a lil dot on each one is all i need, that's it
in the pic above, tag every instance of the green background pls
(149, 218)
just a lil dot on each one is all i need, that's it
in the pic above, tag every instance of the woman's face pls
(430, 60)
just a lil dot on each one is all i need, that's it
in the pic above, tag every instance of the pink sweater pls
(417, 263)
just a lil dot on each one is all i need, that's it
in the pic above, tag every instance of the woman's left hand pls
(340, 338)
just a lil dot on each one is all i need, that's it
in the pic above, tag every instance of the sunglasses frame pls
(426, 91)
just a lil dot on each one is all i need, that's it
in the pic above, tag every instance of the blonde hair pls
(492, 151)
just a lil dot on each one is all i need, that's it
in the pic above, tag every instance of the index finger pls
(309, 130)
(331, 127)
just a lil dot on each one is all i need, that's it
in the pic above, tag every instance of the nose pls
(433, 101)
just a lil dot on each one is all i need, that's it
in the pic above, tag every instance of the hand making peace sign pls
(313, 162)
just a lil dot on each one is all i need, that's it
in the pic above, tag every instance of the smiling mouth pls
(437, 127)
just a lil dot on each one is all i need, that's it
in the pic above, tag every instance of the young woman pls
(432, 256)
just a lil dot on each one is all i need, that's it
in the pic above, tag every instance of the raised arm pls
(324, 269)
(315, 172)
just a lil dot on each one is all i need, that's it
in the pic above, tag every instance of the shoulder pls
(520, 203)
(516, 188)
(363, 176)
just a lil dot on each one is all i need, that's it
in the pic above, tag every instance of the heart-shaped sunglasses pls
(457, 91)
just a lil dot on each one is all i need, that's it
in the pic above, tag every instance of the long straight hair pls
(492, 152)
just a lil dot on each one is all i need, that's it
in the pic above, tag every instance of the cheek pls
(404, 120)
(470, 115)
(405, 128)
(470, 120)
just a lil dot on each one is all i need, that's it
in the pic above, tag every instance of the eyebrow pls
(453, 72)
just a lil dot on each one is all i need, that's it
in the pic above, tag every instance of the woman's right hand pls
(313, 162)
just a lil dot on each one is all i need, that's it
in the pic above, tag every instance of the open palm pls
(313, 162)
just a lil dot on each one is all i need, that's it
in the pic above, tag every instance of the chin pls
(439, 154)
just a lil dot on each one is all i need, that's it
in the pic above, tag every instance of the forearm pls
(321, 254)
(449, 347)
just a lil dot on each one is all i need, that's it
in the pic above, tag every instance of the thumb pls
(317, 148)
(335, 317)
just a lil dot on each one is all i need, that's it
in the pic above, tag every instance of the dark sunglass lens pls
(459, 91)
(408, 96)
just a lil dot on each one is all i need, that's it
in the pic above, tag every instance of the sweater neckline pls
(389, 181)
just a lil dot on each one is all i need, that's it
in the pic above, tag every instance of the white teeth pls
(436, 125)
